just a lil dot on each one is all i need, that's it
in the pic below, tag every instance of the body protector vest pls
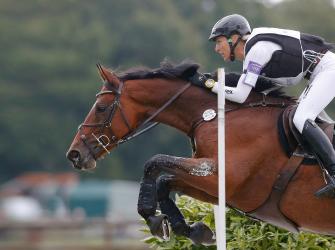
(296, 56)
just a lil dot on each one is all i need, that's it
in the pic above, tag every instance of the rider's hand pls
(209, 75)
(203, 80)
(206, 80)
(198, 79)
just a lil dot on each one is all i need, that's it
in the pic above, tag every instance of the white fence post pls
(220, 210)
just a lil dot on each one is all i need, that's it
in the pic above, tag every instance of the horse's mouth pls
(81, 161)
(87, 165)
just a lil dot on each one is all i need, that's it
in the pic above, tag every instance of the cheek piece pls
(232, 48)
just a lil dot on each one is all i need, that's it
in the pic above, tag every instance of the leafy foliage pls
(241, 232)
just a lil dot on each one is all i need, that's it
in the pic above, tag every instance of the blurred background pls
(48, 82)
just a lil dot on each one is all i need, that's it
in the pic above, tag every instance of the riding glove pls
(199, 79)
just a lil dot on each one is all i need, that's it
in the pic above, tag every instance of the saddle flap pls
(293, 138)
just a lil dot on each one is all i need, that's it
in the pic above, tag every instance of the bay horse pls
(127, 104)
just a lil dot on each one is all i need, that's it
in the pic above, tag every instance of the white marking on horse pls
(204, 169)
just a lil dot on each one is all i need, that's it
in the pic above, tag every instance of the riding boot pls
(322, 147)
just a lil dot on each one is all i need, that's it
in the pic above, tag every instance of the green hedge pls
(242, 232)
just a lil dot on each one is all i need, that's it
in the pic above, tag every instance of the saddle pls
(290, 138)
(298, 152)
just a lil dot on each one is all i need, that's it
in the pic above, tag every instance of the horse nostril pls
(73, 155)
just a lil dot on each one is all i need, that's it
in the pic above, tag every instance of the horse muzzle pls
(81, 160)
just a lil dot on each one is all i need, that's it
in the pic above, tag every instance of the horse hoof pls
(201, 234)
(159, 226)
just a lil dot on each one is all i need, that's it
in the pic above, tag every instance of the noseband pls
(102, 139)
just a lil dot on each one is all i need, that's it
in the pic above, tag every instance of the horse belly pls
(249, 183)
(301, 206)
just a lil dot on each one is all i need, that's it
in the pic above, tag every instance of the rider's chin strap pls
(232, 47)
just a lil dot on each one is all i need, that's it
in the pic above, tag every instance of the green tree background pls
(48, 78)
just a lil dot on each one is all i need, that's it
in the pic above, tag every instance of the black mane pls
(167, 70)
(186, 69)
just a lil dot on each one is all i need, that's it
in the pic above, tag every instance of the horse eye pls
(100, 108)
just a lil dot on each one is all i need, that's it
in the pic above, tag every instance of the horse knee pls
(151, 167)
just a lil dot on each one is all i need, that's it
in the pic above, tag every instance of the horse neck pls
(151, 94)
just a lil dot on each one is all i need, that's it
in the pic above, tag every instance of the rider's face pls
(222, 47)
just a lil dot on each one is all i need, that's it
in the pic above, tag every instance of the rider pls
(286, 57)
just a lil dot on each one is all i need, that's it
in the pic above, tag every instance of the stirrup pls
(327, 191)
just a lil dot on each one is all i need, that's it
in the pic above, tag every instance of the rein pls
(139, 129)
(262, 103)
(103, 140)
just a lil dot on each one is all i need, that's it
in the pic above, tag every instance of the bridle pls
(102, 139)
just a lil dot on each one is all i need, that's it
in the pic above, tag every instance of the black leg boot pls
(322, 147)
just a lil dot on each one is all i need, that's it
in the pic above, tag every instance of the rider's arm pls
(238, 94)
(258, 56)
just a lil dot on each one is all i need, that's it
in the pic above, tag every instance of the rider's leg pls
(315, 98)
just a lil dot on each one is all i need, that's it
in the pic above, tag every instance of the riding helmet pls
(230, 25)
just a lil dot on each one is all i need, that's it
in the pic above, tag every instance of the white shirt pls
(258, 56)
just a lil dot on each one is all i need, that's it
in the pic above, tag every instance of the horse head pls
(132, 101)
(105, 125)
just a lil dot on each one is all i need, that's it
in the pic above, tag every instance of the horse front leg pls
(198, 232)
(147, 203)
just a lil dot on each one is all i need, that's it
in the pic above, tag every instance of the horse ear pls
(106, 75)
